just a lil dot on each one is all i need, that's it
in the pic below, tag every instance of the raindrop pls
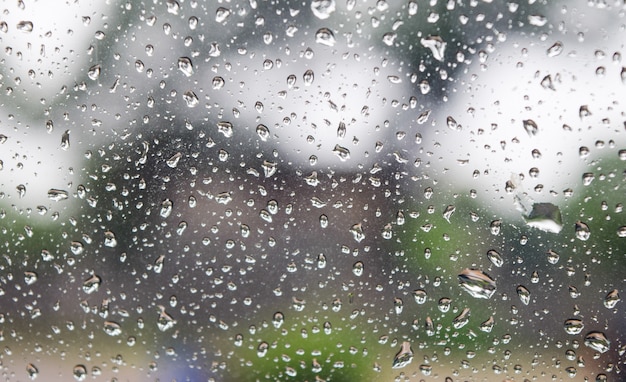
(524, 294)
(25, 26)
(573, 326)
(611, 299)
(404, 356)
(462, 319)
(218, 82)
(323, 8)
(57, 195)
(447, 213)
(222, 14)
(342, 153)
(582, 230)
(555, 49)
(531, 127)
(544, 216)
(357, 268)
(186, 66)
(109, 239)
(191, 99)
(32, 371)
(436, 45)
(92, 284)
(553, 257)
(477, 283)
(325, 36)
(308, 77)
(166, 208)
(597, 341)
(420, 296)
(65, 140)
(112, 328)
(94, 72)
(79, 372)
(357, 232)
(226, 128)
(487, 326)
(495, 258)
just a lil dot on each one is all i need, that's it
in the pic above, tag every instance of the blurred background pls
(320, 190)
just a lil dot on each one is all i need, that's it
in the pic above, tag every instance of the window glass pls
(243, 190)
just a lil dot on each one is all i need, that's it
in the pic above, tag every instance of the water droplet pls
(112, 328)
(389, 38)
(308, 77)
(398, 305)
(166, 208)
(57, 195)
(436, 45)
(357, 232)
(524, 294)
(597, 341)
(174, 159)
(487, 326)
(357, 268)
(263, 132)
(555, 49)
(582, 230)
(325, 36)
(404, 356)
(452, 124)
(495, 258)
(447, 213)
(165, 321)
(495, 226)
(79, 372)
(588, 177)
(323, 221)
(278, 319)
(226, 128)
(537, 20)
(531, 127)
(32, 371)
(191, 99)
(546, 217)
(65, 140)
(186, 66)
(611, 299)
(218, 82)
(342, 153)
(94, 72)
(323, 8)
(553, 257)
(92, 284)
(477, 283)
(420, 296)
(25, 26)
(109, 239)
(222, 14)
(462, 319)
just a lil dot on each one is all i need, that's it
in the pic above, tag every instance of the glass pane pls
(317, 190)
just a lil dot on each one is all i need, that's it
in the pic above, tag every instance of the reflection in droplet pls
(79, 372)
(185, 66)
(495, 257)
(462, 319)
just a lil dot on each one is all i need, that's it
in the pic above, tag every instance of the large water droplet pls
(582, 230)
(597, 341)
(325, 36)
(186, 66)
(611, 299)
(436, 45)
(404, 356)
(477, 283)
(322, 8)
(94, 72)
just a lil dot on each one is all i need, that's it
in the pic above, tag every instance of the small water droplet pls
(65, 140)
(222, 14)
(555, 49)
(495, 258)
(57, 195)
(308, 77)
(191, 99)
(166, 208)
(112, 328)
(531, 127)
(357, 232)
(462, 319)
(79, 372)
(92, 284)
